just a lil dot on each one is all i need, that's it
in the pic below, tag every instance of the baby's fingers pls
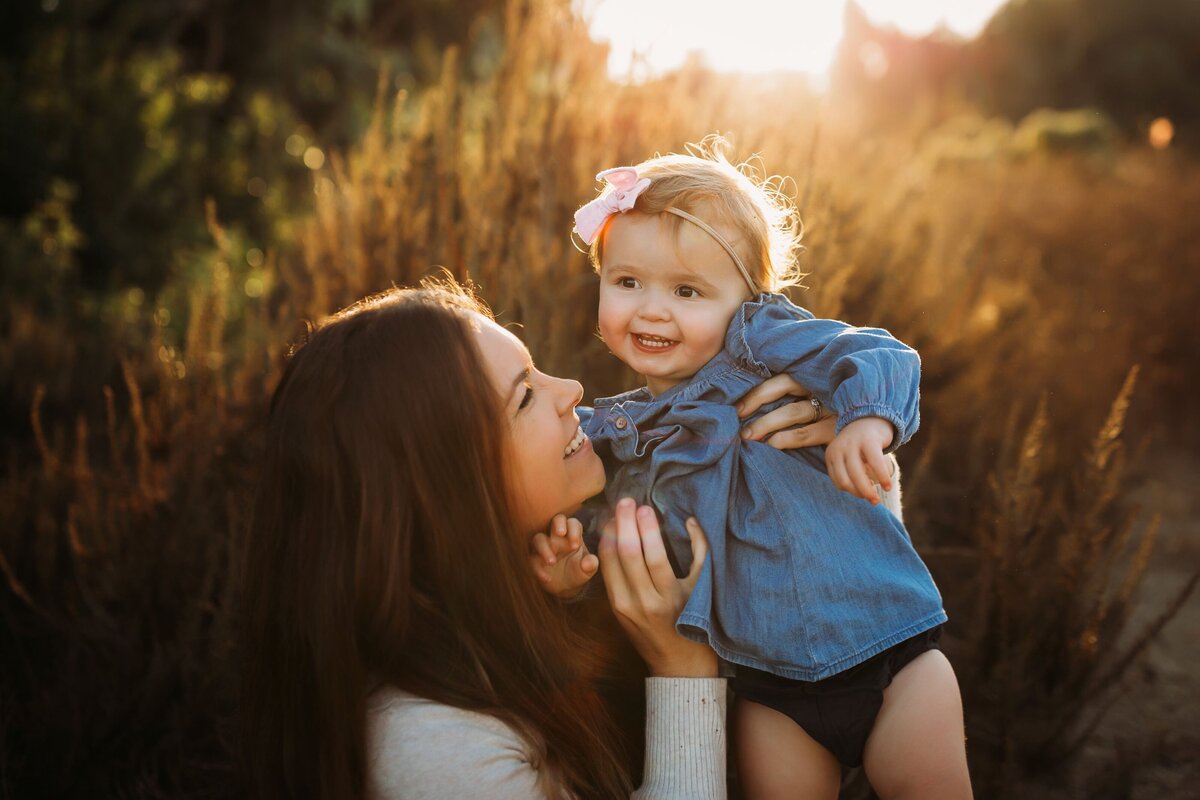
(559, 525)
(582, 567)
(861, 485)
(881, 467)
(835, 465)
(542, 546)
(574, 534)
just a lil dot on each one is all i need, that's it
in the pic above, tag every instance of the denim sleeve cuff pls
(884, 412)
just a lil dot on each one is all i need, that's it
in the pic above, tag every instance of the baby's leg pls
(917, 747)
(777, 759)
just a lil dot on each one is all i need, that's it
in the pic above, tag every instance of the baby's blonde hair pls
(704, 183)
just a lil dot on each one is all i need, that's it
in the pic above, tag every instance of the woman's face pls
(551, 465)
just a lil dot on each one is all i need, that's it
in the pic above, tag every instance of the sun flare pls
(652, 36)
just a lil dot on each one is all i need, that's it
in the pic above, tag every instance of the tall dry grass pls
(1032, 288)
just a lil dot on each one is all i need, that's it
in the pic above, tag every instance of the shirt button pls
(621, 423)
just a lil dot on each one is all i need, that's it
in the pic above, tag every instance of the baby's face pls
(666, 299)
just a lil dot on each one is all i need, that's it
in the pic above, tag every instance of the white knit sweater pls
(422, 750)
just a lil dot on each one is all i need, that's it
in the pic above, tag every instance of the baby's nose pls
(654, 308)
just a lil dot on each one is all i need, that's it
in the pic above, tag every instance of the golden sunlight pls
(649, 37)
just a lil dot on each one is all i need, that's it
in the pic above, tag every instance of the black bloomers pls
(839, 711)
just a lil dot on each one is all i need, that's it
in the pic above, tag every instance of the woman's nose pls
(570, 395)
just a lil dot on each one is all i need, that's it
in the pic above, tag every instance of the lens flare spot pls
(1162, 131)
(314, 158)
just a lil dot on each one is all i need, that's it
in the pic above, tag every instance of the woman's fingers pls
(611, 569)
(654, 551)
(814, 435)
(802, 412)
(637, 558)
(769, 391)
(699, 553)
(630, 522)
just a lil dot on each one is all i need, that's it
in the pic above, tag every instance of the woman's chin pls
(594, 484)
(589, 484)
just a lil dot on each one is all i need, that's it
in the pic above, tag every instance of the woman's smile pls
(577, 444)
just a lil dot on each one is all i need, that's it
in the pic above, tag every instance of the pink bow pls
(624, 188)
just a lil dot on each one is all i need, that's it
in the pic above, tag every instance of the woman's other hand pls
(776, 428)
(560, 559)
(646, 596)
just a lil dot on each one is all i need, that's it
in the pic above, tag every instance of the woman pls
(397, 643)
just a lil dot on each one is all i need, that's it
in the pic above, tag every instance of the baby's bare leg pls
(917, 747)
(777, 759)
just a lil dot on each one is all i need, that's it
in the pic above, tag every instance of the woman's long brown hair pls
(383, 552)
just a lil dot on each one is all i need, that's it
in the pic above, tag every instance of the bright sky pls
(759, 35)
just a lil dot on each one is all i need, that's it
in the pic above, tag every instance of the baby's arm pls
(855, 372)
(864, 374)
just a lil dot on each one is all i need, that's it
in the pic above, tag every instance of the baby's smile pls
(652, 343)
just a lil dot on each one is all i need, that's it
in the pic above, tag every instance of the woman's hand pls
(776, 427)
(560, 559)
(645, 595)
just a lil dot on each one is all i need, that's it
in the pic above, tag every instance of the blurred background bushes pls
(183, 185)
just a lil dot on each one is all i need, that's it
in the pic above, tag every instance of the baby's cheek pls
(707, 347)
(609, 322)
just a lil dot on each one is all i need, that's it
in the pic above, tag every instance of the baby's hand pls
(855, 457)
(560, 559)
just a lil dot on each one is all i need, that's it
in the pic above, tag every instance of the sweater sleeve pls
(685, 739)
(422, 750)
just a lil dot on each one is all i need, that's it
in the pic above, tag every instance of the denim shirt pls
(802, 579)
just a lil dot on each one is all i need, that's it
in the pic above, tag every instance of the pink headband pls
(624, 190)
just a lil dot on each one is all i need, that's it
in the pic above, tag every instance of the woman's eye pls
(527, 399)
(627, 283)
(687, 291)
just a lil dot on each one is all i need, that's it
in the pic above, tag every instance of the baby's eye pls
(627, 283)
(687, 292)
(527, 399)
